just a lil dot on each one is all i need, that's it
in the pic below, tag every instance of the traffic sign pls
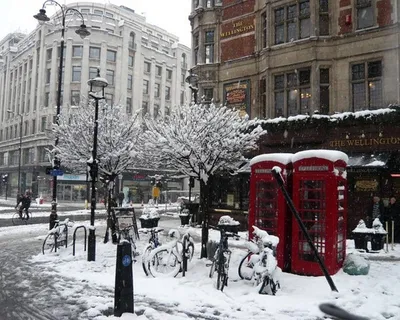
(56, 172)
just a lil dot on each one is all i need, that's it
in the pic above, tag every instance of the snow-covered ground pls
(376, 295)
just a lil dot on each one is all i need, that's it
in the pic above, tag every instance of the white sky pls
(18, 15)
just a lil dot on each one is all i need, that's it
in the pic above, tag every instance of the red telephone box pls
(320, 195)
(267, 208)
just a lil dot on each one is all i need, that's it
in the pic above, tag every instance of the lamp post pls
(20, 150)
(83, 33)
(96, 92)
(192, 79)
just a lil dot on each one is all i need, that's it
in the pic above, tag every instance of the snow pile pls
(228, 221)
(150, 213)
(267, 239)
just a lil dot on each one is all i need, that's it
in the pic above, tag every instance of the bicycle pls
(126, 234)
(222, 257)
(260, 264)
(153, 243)
(57, 237)
(171, 258)
(18, 219)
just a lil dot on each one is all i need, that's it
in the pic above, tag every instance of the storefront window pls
(230, 192)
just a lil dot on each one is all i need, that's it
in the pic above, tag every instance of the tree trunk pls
(111, 219)
(205, 203)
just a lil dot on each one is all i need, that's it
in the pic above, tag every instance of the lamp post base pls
(92, 245)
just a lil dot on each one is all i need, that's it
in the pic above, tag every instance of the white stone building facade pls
(145, 66)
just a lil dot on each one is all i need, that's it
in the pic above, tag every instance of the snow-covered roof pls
(368, 160)
(283, 158)
(331, 155)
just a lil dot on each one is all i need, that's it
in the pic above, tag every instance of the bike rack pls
(74, 238)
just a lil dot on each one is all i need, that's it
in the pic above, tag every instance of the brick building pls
(286, 60)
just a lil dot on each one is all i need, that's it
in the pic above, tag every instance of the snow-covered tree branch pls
(198, 140)
(117, 138)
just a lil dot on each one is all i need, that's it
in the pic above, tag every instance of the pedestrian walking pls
(375, 210)
(392, 216)
(121, 197)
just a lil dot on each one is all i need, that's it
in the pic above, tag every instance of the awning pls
(368, 160)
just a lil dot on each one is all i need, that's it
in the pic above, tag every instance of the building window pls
(147, 67)
(184, 61)
(46, 99)
(75, 97)
(158, 71)
(94, 53)
(77, 51)
(169, 74)
(365, 14)
(98, 12)
(129, 105)
(109, 98)
(145, 86)
(156, 90)
(48, 76)
(85, 11)
(76, 73)
(92, 72)
(292, 93)
(110, 77)
(209, 47)
(196, 48)
(324, 90)
(208, 94)
(43, 124)
(145, 108)
(167, 93)
(156, 111)
(49, 53)
(367, 85)
(111, 55)
(263, 98)
(264, 29)
(323, 17)
(292, 22)
(183, 77)
(167, 110)
(132, 40)
(109, 14)
(33, 128)
(26, 127)
(129, 82)
(130, 61)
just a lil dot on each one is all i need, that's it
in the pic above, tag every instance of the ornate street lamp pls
(193, 80)
(96, 92)
(20, 150)
(82, 32)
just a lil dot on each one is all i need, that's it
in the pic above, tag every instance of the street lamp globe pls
(41, 16)
(83, 32)
(97, 84)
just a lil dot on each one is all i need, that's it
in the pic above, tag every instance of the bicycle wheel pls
(245, 269)
(268, 286)
(17, 220)
(221, 278)
(187, 253)
(49, 243)
(145, 259)
(163, 263)
(214, 264)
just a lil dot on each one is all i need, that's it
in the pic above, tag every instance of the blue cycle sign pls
(126, 260)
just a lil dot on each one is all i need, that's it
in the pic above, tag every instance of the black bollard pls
(123, 295)
(52, 220)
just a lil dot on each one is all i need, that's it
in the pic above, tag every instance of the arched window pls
(132, 40)
(183, 62)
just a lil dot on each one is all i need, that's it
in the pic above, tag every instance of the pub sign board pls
(237, 96)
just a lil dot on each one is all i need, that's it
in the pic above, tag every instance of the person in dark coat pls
(25, 202)
(392, 215)
(121, 197)
(375, 210)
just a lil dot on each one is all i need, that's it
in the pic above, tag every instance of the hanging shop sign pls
(237, 96)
